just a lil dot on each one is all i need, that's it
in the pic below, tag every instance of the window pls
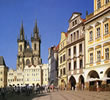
(74, 36)
(91, 35)
(98, 56)
(80, 48)
(74, 50)
(106, 1)
(69, 52)
(81, 63)
(106, 53)
(20, 47)
(61, 72)
(64, 57)
(98, 32)
(91, 58)
(27, 62)
(74, 65)
(71, 37)
(75, 21)
(77, 34)
(106, 28)
(98, 4)
(69, 66)
(35, 46)
(61, 59)
(64, 71)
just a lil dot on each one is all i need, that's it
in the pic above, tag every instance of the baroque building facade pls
(62, 61)
(97, 41)
(75, 50)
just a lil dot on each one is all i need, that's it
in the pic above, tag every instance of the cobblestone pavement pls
(62, 95)
(75, 95)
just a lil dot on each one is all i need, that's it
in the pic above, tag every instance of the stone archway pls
(72, 82)
(81, 82)
(107, 76)
(62, 84)
(93, 77)
(93, 74)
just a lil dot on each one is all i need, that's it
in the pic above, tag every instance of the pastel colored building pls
(15, 77)
(62, 61)
(3, 73)
(97, 42)
(75, 51)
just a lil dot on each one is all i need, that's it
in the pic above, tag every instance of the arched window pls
(27, 62)
(20, 47)
(35, 46)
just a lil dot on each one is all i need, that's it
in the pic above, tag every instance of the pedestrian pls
(3, 93)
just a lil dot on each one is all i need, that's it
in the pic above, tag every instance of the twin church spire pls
(35, 34)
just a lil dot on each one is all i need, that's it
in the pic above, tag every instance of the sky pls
(52, 18)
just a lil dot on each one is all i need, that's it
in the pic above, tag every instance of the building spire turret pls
(22, 32)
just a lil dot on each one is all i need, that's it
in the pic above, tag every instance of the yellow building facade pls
(62, 77)
(3, 73)
(97, 42)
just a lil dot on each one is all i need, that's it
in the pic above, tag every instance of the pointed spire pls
(22, 32)
(36, 28)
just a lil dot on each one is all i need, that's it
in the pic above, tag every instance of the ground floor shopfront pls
(91, 79)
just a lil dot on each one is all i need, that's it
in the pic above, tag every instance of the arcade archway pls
(93, 77)
(72, 82)
(81, 82)
(107, 76)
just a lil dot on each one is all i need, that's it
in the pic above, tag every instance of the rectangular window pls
(74, 36)
(64, 71)
(69, 52)
(69, 66)
(98, 4)
(71, 37)
(98, 32)
(91, 58)
(75, 22)
(75, 65)
(106, 1)
(80, 48)
(98, 56)
(60, 71)
(106, 53)
(61, 59)
(106, 28)
(77, 34)
(91, 35)
(64, 57)
(74, 50)
(81, 63)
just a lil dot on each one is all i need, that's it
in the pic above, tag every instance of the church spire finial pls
(22, 31)
(35, 27)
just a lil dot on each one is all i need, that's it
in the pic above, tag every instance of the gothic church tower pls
(36, 41)
(26, 54)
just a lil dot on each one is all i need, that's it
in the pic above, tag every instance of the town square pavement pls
(75, 95)
(62, 95)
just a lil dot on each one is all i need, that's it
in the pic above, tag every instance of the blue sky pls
(52, 19)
